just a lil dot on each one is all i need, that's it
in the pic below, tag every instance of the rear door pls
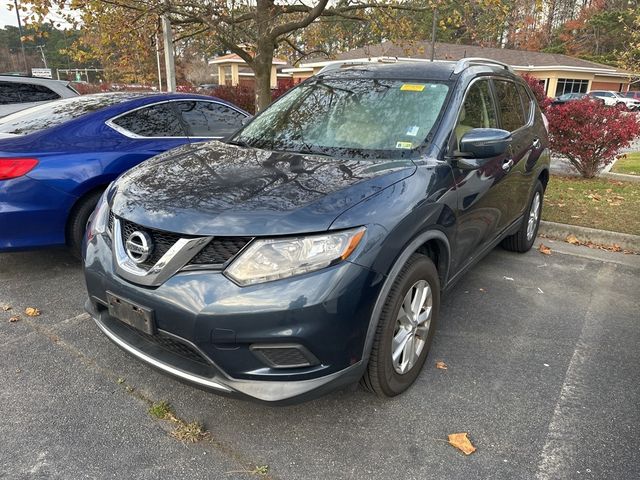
(512, 100)
(209, 120)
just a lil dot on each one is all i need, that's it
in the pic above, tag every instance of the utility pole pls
(169, 61)
(433, 34)
(158, 63)
(24, 56)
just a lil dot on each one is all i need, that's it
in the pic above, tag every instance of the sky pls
(7, 17)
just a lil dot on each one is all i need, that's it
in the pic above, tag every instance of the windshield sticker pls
(413, 131)
(412, 87)
(407, 145)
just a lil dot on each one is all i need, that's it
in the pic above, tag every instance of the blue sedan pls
(56, 159)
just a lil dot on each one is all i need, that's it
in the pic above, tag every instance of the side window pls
(209, 119)
(478, 110)
(155, 121)
(9, 93)
(509, 104)
(526, 102)
(36, 93)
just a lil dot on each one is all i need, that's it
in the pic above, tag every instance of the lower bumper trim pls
(163, 366)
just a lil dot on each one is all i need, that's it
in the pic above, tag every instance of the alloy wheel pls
(412, 327)
(534, 214)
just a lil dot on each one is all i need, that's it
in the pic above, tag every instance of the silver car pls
(17, 93)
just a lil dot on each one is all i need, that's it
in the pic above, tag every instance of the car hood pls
(220, 189)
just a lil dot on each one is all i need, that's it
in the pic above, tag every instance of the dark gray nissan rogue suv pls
(311, 250)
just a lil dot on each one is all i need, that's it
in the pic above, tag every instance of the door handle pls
(507, 164)
(536, 143)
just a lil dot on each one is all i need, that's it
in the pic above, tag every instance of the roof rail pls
(349, 63)
(465, 63)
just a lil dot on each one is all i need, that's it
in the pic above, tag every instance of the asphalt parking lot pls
(542, 354)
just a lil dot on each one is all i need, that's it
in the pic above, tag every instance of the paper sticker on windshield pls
(413, 131)
(407, 145)
(412, 87)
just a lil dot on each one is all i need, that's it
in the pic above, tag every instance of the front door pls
(483, 195)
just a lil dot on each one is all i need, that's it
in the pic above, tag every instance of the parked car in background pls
(57, 158)
(634, 94)
(570, 97)
(18, 93)
(311, 249)
(615, 99)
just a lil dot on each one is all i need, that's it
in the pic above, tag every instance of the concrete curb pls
(623, 177)
(585, 234)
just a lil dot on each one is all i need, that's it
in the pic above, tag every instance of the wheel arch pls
(433, 243)
(76, 205)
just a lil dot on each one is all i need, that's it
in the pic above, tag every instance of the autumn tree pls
(252, 29)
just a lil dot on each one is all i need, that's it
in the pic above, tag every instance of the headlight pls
(272, 259)
(99, 219)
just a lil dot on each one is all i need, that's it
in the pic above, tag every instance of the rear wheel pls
(523, 239)
(405, 329)
(78, 219)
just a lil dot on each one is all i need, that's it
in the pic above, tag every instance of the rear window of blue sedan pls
(52, 114)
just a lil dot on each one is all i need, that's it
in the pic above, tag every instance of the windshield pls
(52, 114)
(371, 117)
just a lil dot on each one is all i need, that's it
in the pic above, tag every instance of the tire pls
(383, 376)
(77, 223)
(523, 239)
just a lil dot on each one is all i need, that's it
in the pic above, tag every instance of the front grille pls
(162, 241)
(218, 251)
(172, 345)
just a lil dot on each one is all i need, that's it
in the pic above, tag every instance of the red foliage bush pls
(538, 91)
(245, 97)
(241, 96)
(590, 134)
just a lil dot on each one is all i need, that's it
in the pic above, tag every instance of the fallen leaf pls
(616, 248)
(462, 443)
(544, 249)
(572, 239)
(482, 289)
(560, 205)
(441, 365)
(32, 311)
(14, 319)
(6, 308)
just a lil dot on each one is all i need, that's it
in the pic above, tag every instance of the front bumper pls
(326, 312)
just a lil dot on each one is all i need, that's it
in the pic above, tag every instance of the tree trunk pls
(262, 72)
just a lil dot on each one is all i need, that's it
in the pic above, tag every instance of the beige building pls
(558, 73)
(233, 70)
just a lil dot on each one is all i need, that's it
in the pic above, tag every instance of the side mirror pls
(484, 143)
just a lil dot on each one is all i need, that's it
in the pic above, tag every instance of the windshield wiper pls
(239, 143)
(306, 152)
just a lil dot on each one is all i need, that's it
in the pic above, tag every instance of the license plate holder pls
(131, 313)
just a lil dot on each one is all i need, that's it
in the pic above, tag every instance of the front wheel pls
(405, 329)
(523, 239)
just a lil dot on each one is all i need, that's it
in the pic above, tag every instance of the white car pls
(616, 99)
(17, 93)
